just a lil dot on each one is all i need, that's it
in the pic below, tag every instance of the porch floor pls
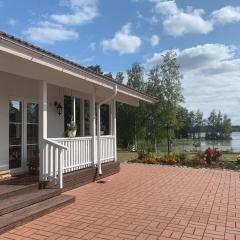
(147, 202)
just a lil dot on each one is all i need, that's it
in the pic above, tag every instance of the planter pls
(72, 134)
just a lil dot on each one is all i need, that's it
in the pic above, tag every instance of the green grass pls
(124, 156)
(229, 157)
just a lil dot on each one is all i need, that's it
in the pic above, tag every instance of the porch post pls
(74, 109)
(93, 127)
(42, 127)
(114, 129)
(110, 118)
(82, 117)
(98, 139)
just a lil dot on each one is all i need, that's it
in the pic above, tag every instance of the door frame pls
(24, 102)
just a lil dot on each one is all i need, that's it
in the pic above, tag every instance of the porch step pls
(14, 203)
(9, 190)
(26, 214)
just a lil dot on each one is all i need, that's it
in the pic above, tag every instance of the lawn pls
(124, 156)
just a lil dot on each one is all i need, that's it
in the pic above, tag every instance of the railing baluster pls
(54, 162)
(60, 172)
(46, 162)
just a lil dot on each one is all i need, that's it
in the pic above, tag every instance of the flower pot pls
(72, 134)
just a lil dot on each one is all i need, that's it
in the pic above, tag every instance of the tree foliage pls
(148, 121)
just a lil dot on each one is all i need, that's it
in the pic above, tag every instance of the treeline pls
(153, 122)
(191, 124)
(236, 128)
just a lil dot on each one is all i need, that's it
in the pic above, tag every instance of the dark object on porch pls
(102, 181)
(33, 163)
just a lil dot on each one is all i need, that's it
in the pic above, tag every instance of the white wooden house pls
(36, 88)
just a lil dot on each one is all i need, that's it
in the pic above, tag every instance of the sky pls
(114, 34)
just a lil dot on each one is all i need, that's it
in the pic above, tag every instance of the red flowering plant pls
(212, 154)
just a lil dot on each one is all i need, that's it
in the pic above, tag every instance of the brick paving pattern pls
(146, 203)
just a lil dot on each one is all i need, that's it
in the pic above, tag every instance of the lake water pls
(231, 145)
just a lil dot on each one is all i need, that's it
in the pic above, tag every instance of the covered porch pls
(95, 143)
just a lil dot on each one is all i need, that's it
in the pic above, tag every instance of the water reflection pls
(231, 145)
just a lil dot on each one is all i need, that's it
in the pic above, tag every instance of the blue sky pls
(114, 34)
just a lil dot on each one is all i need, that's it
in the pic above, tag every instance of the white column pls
(74, 110)
(98, 139)
(114, 129)
(82, 118)
(93, 127)
(110, 118)
(42, 127)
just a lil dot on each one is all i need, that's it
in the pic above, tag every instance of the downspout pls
(99, 127)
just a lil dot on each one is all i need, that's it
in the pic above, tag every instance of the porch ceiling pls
(20, 60)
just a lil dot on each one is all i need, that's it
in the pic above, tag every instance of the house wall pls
(15, 87)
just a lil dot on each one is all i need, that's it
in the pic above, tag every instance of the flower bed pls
(210, 158)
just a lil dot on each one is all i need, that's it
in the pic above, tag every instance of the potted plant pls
(71, 129)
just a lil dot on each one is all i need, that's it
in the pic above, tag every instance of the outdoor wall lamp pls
(59, 107)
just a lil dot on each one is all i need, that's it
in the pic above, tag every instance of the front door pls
(23, 133)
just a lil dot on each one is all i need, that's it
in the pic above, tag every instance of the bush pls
(181, 157)
(150, 160)
(238, 159)
(212, 154)
(171, 160)
(197, 160)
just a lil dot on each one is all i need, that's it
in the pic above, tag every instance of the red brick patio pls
(146, 202)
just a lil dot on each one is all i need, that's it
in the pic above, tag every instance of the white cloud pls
(124, 42)
(191, 22)
(178, 21)
(211, 77)
(165, 7)
(92, 46)
(83, 11)
(48, 33)
(54, 28)
(154, 40)
(226, 15)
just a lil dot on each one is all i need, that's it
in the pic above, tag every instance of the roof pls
(5, 35)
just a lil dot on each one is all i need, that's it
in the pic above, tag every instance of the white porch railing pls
(107, 148)
(78, 155)
(52, 164)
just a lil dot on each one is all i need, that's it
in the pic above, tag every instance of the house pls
(40, 94)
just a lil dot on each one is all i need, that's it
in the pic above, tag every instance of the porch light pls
(59, 107)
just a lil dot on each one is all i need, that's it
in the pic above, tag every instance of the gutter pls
(99, 126)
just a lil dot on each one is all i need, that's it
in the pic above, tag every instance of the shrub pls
(181, 157)
(238, 159)
(197, 160)
(150, 160)
(212, 154)
(143, 149)
(171, 160)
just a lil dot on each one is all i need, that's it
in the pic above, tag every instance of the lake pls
(231, 145)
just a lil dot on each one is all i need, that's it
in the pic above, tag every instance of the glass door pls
(23, 134)
(31, 132)
(15, 134)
